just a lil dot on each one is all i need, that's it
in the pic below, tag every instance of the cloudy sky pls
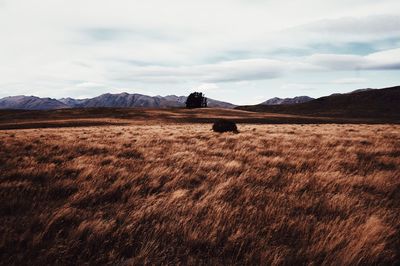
(242, 51)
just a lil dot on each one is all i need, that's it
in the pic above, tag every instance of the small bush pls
(224, 125)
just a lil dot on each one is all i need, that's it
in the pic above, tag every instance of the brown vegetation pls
(22, 119)
(273, 194)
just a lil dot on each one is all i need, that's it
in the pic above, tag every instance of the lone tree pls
(196, 100)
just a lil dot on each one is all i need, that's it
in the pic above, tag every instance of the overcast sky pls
(242, 51)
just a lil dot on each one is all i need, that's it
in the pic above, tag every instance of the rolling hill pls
(370, 103)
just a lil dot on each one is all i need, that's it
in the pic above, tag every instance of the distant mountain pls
(180, 100)
(219, 104)
(355, 91)
(370, 103)
(361, 90)
(30, 103)
(72, 102)
(120, 100)
(295, 100)
(123, 100)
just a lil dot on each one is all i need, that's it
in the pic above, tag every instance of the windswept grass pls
(273, 194)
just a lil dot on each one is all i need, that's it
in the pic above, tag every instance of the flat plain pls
(159, 187)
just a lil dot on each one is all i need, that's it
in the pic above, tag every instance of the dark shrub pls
(224, 125)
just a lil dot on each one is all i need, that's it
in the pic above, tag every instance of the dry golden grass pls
(273, 194)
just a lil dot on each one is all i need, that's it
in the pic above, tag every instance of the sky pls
(241, 51)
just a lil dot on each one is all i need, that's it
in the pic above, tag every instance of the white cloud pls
(90, 85)
(228, 71)
(295, 86)
(260, 68)
(337, 61)
(351, 29)
(388, 59)
(206, 87)
(350, 81)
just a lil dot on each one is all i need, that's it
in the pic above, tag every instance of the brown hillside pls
(381, 103)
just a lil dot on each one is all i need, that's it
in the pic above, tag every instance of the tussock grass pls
(273, 194)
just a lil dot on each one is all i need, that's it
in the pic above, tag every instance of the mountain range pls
(120, 100)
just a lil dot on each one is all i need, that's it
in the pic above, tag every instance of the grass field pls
(135, 191)
(22, 119)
